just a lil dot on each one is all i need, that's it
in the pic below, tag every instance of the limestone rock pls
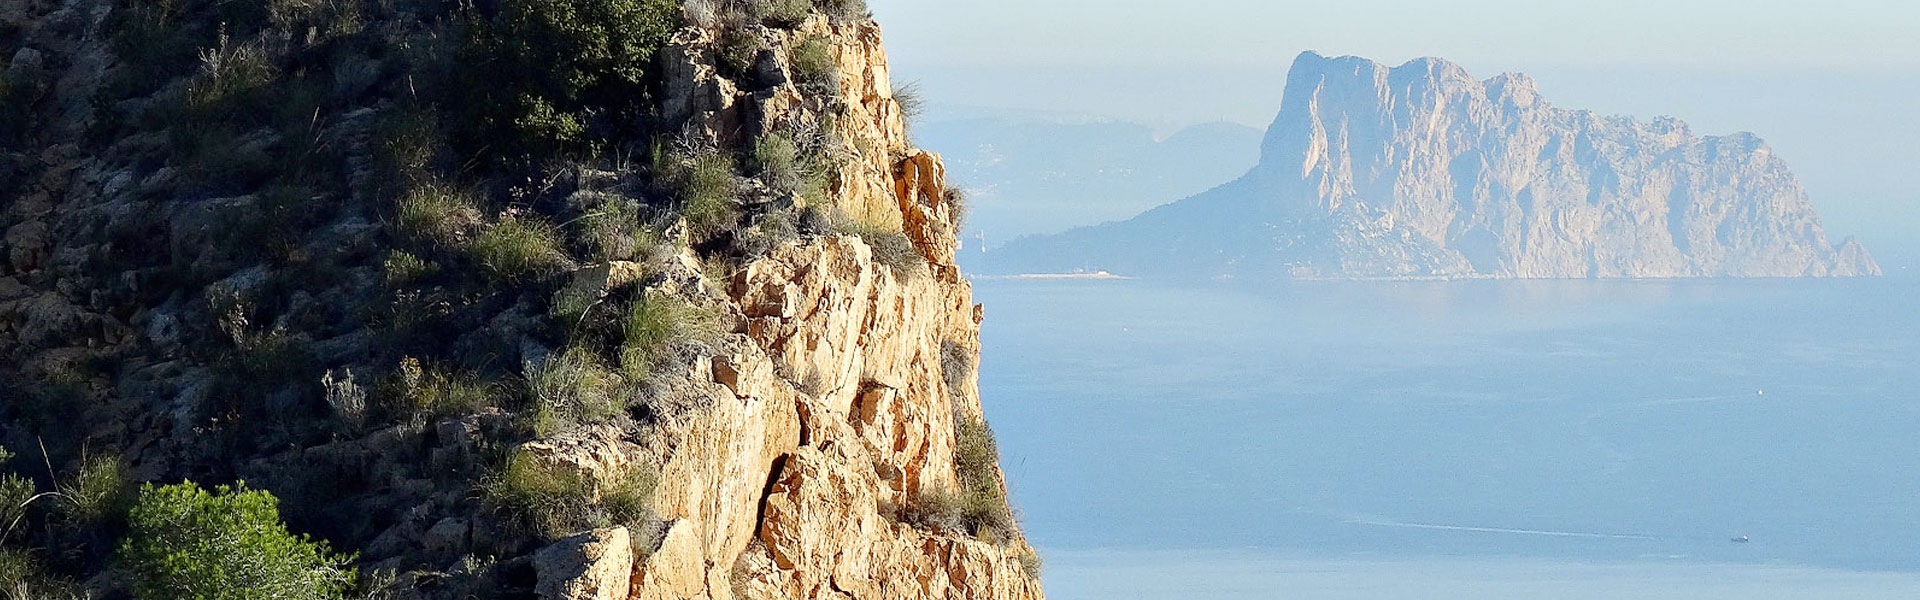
(596, 565)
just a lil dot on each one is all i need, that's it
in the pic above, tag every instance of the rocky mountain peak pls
(1421, 170)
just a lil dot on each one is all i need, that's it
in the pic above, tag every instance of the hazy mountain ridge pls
(1424, 171)
(1032, 175)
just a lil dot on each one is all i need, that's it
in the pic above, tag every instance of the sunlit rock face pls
(1422, 170)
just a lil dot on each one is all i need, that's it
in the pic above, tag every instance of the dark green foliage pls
(739, 47)
(229, 544)
(546, 70)
(556, 500)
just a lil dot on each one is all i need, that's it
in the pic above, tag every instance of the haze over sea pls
(1482, 439)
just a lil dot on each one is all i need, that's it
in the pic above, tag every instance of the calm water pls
(1608, 437)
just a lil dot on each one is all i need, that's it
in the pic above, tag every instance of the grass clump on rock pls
(520, 248)
(558, 501)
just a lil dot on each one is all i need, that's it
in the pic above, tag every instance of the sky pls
(1830, 84)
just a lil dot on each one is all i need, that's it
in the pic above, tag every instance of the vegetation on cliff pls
(362, 255)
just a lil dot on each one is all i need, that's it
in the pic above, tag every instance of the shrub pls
(958, 205)
(560, 501)
(435, 391)
(1031, 564)
(519, 249)
(438, 215)
(542, 64)
(575, 388)
(230, 544)
(739, 48)
(654, 324)
(548, 128)
(912, 104)
(814, 67)
(348, 399)
(94, 492)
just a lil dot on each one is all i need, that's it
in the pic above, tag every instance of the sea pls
(1489, 440)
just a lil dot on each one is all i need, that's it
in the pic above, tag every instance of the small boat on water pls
(1742, 540)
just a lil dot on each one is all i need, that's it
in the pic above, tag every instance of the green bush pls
(229, 544)
(738, 50)
(438, 215)
(654, 324)
(543, 65)
(558, 502)
(575, 388)
(520, 249)
(814, 67)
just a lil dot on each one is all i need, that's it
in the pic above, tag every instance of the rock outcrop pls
(1423, 171)
(779, 452)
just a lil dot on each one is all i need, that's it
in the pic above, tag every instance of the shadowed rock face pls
(1423, 171)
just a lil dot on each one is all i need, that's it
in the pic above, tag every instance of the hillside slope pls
(608, 299)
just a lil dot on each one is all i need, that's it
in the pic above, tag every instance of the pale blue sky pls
(1830, 84)
(1692, 34)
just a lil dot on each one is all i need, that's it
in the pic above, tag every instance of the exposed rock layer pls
(1423, 171)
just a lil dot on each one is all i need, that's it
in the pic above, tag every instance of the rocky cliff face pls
(1423, 171)
(792, 452)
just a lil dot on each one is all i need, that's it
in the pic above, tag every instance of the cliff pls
(1423, 171)
(692, 333)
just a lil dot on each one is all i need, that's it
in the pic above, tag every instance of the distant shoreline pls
(1097, 276)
